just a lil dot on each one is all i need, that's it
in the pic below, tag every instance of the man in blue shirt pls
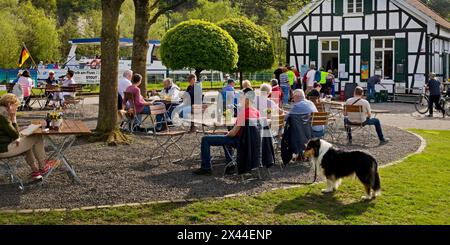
(302, 106)
(434, 86)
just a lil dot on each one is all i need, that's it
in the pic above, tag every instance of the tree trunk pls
(140, 42)
(107, 115)
(241, 78)
(198, 73)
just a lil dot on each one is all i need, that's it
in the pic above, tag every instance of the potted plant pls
(56, 120)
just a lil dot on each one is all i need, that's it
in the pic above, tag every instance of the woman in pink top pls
(142, 106)
(26, 83)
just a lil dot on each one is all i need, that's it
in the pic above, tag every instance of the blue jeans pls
(286, 90)
(370, 121)
(216, 140)
(371, 91)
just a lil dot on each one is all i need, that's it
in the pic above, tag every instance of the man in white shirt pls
(310, 79)
(66, 83)
(125, 81)
(365, 117)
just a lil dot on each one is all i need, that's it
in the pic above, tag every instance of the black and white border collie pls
(336, 164)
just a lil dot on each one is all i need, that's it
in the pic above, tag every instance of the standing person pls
(371, 82)
(193, 95)
(278, 71)
(26, 83)
(228, 95)
(434, 86)
(323, 80)
(285, 87)
(124, 83)
(310, 76)
(291, 76)
(298, 81)
(13, 144)
(50, 81)
(277, 94)
(329, 83)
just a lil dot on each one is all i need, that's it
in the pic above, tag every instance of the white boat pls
(87, 70)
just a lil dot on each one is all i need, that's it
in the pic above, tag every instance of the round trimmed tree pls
(255, 47)
(199, 45)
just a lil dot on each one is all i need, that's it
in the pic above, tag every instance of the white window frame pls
(329, 51)
(354, 13)
(373, 67)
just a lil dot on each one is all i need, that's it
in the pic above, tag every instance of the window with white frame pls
(354, 6)
(384, 58)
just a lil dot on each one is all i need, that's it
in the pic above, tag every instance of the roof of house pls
(417, 4)
(428, 11)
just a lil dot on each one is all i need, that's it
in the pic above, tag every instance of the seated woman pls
(232, 138)
(264, 103)
(142, 106)
(13, 144)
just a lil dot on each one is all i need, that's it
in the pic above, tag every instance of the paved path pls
(403, 115)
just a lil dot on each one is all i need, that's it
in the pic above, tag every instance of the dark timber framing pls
(314, 26)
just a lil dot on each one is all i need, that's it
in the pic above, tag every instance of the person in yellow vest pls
(323, 79)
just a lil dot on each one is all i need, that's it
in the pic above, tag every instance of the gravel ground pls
(123, 174)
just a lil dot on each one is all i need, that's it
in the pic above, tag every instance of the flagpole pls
(25, 46)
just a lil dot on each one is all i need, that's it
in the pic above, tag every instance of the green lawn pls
(415, 191)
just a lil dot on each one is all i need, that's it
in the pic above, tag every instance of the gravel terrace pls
(124, 174)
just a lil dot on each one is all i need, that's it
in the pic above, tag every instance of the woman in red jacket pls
(277, 94)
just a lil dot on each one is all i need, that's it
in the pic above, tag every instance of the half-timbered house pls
(401, 40)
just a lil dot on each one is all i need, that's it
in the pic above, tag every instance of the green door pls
(313, 51)
(401, 60)
(344, 54)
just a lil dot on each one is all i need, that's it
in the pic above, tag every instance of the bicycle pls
(423, 100)
(445, 103)
(422, 103)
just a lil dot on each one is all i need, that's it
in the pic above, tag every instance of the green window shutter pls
(339, 7)
(401, 60)
(368, 6)
(314, 51)
(365, 52)
(444, 66)
(344, 54)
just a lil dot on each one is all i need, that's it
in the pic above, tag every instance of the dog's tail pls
(376, 184)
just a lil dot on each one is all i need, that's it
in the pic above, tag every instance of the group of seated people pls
(182, 105)
(253, 108)
(245, 104)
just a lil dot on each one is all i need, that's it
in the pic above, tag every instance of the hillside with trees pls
(46, 26)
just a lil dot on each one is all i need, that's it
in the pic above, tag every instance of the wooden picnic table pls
(69, 130)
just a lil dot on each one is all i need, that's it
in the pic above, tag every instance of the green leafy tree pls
(147, 14)
(254, 45)
(107, 122)
(199, 45)
(38, 31)
(8, 38)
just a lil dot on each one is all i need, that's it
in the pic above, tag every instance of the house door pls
(329, 55)
(384, 58)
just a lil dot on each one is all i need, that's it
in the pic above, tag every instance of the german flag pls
(24, 55)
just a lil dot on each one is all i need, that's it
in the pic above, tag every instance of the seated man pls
(302, 106)
(364, 119)
(170, 92)
(232, 138)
